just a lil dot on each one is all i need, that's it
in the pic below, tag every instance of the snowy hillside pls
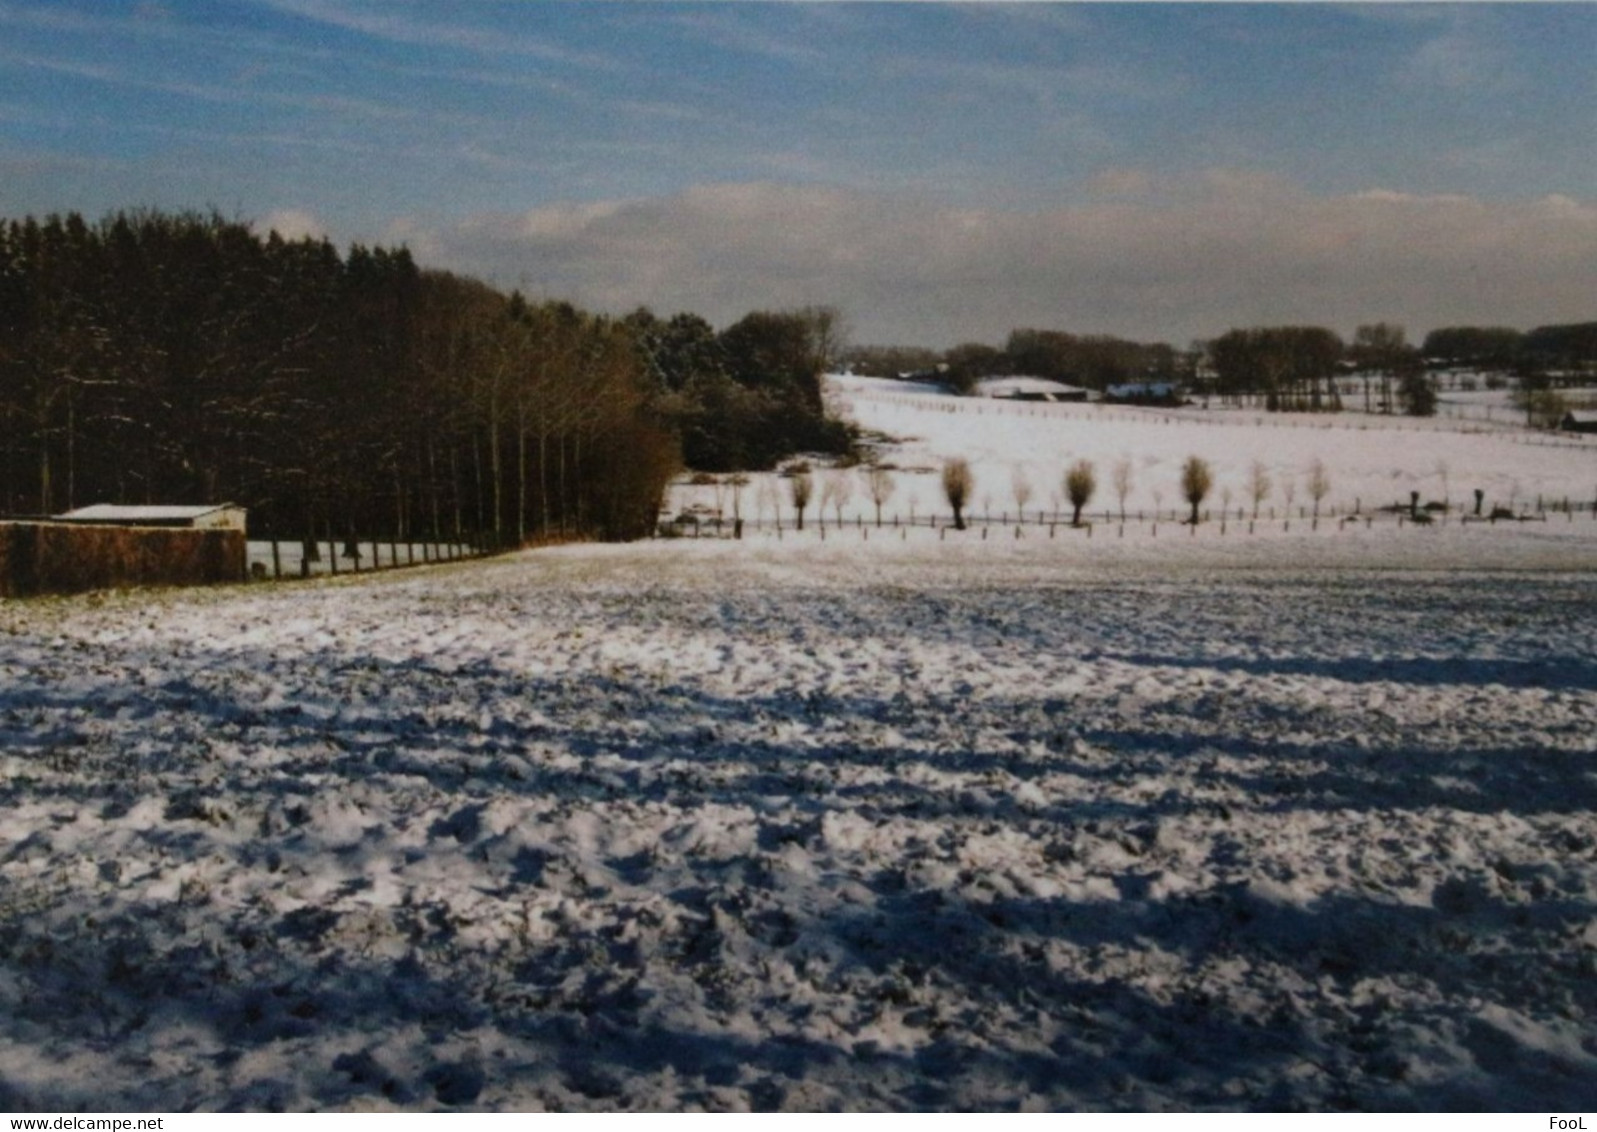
(1371, 461)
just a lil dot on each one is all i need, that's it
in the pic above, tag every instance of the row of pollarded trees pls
(834, 489)
(1080, 485)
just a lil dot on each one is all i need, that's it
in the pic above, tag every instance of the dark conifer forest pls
(185, 358)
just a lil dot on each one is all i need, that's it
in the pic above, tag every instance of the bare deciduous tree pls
(1258, 485)
(838, 491)
(958, 482)
(1197, 478)
(1122, 481)
(828, 493)
(879, 482)
(1020, 485)
(1319, 484)
(1080, 482)
(800, 487)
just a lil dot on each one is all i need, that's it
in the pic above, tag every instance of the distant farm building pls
(206, 517)
(1144, 393)
(1019, 388)
(1577, 420)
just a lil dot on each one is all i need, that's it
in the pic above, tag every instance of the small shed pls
(1579, 420)
(203, 517)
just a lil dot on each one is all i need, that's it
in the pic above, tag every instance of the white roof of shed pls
(146, 513)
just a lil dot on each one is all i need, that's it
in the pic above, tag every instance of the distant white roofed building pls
(212, 516)
(1021, 388)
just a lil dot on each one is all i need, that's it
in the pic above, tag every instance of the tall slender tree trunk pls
(476, 472)
(454, 479)
(564, 496)
(399, 502)
(521, 475)
(495, 470)
(543, 480)
(577, 485)
(72, 452)
(432, 487)
(44, 472)
(310, 551)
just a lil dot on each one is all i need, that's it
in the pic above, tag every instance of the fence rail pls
(1398, 513)
(279, 559)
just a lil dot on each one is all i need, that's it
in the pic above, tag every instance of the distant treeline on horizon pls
(1283, 367)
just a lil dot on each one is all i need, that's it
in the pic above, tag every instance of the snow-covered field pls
(1300, 820)
(1371, 461)
(1005, 824)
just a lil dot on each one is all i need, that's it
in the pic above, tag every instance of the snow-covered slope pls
(1371, 461)
(856, 824)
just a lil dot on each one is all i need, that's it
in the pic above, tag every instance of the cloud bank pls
(1139, 257)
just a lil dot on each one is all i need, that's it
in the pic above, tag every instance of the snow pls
(1018, 384)
(894, 820)
(1373, 460)
(113, 512)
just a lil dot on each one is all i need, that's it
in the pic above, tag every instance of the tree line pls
(179, 358)
(1092, 361)
(1280, 368)
(751, 395)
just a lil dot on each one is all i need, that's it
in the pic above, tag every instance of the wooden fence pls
(280, 559)
(1049, 521)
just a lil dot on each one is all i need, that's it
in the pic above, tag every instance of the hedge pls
(37, 558)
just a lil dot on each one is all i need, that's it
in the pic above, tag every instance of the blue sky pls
(939, 171)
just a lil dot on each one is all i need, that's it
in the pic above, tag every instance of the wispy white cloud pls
(385, 22)
(336, 105)
(1187, 258)
(726, 27)
(1031, 19)
(151, 23)
(1465, 53)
